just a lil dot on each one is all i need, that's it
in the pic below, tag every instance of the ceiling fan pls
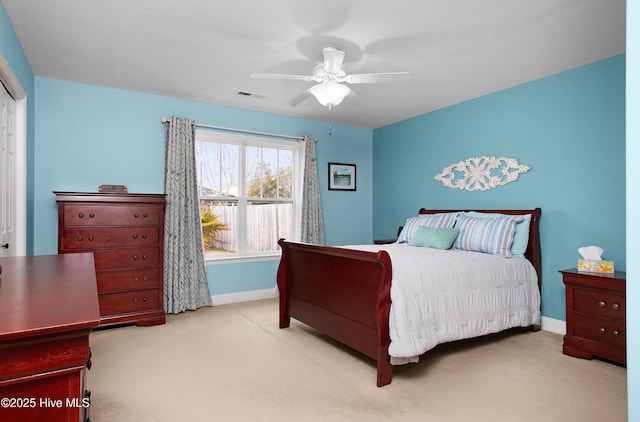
(329, 90)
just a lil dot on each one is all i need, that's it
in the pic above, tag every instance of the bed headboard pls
(532, 253)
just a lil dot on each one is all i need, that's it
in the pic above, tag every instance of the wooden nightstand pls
(384, 241)
(387, 241)
(596, 315)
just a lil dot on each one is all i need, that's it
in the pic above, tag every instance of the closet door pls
(8, 174)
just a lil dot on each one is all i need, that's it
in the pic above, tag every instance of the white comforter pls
(444, 295)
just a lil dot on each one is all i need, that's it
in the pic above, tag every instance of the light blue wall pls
(633, 209)
(569, 127)
(13, 54)
(89, 135)
(247, 277)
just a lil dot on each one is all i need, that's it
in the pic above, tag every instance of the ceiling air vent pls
(251, 94)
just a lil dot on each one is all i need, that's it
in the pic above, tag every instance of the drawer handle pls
(602, 304)
(90, 238)
(79, 238)
(603, 330)
(81, 215)
(144, 257)
(135, 278)
(135, 236)
(136, 215)
(135, 257)
(144, 235)
(145, 215)
(91, 215)
(616, 306)
(144, 299)
(135, 300)
(615, 333)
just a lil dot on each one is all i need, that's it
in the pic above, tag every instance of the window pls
(247, 191)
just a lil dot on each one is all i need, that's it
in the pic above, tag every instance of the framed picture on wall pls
(342, 176)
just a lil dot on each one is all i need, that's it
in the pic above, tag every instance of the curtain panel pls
(185, 277)
(312, 222)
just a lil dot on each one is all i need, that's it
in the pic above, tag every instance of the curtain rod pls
(231, 129)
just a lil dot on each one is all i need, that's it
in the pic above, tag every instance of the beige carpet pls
(233, 363)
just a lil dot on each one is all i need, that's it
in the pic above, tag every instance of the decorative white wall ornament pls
(481, 173)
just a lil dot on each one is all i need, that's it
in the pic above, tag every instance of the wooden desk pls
(48, 306)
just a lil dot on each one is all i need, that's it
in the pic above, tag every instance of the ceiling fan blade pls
(370, 78)
(333, 59)
(299, 98)
(278, 76)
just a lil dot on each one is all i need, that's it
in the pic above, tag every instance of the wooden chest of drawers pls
(125, 232)
(596, 316)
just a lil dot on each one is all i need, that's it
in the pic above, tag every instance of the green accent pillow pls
(437, 238)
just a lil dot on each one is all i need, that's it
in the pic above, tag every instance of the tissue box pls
(598, 267)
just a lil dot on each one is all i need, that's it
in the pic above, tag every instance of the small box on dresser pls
(596, 315)
(126, 234)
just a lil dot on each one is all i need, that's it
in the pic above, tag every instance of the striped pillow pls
(520, 238)
(488, 235)
(442, 220)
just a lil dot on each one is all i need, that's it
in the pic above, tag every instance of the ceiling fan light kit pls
(329, 91)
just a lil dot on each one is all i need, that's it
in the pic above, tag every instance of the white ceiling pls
(204, 50)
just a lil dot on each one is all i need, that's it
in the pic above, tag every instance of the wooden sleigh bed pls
(345, 293)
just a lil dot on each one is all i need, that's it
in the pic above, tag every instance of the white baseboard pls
(554, 325)
(548, 324)
(244, 296)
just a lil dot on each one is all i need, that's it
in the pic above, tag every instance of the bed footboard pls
(341, 292)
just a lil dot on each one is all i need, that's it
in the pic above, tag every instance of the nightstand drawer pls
(599, 330)
(599, 303)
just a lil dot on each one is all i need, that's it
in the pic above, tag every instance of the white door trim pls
(13, 86)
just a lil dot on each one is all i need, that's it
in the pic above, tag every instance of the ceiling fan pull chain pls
(330, 127)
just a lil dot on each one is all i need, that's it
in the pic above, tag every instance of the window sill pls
(214, 260)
